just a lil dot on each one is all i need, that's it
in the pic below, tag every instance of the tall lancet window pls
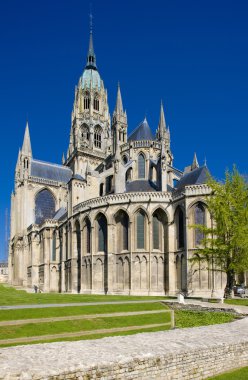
(96, 104)
(140, 230)
(199, 219)
(87, 101)
(98, 137)
(141, 166)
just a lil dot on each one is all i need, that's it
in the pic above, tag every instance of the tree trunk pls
(229, 283)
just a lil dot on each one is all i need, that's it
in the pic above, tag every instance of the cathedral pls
(116, 216)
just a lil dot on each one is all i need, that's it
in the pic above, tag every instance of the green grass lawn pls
(235, 301)
(11, 296)
(185, 318)
(11, 315)
(240, 374)
(17, 331)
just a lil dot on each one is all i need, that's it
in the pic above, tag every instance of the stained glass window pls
(141, 166)
(102, 234)
(88, 235)
(199, 219)
(155, 230)
(44, 206)
(140, 230)
(180, 229)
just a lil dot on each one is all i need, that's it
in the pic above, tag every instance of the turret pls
(90, 134)
(119, 123)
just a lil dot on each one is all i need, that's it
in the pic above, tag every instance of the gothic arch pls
(179, 218)
(122, 231)
(141, 161)
(160, 229)
(45, 205)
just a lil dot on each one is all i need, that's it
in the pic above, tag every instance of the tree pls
(225, 242)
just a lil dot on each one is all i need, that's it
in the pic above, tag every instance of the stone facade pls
(115, 217)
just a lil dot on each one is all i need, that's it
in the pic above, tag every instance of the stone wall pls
(195, 353)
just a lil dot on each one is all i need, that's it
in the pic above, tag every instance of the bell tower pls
(90, 135)
(119, 123)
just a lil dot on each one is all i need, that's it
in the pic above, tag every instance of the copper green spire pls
(91, 58)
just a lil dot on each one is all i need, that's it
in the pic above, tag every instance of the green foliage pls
(226, 240)
(240, 302)
(240, 374)
(185, 318)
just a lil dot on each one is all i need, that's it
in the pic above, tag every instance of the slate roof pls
(140, 185)
(142, 132)
(47, 170)
(195, 177)
(60, 213)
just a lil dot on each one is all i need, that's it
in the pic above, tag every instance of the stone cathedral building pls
(115, 217)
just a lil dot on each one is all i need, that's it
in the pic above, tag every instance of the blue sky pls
(191, 54)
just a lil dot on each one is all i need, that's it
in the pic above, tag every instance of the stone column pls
(171, 259)
(63, 261)
(110, 257)
(74, 266)
(47, 255)
(93, 249)
(149, 253)
(130, 240)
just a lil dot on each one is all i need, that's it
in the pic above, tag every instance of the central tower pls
(90, 135)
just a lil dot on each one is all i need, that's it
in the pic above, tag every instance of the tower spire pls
(26, 146)
(162, 123)
(119, 105)
(91, 57)
(195, 164)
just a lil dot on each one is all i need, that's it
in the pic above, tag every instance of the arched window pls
(140, 230)
(85, 132)
(155, 230)
(199, 218)
(44, 206)
(160, 230)
(87, 236)
(141, 166)
(102, 233)
(98, 137)
(122, 221)
(129, 175)
(124, 159)
(54, 246)
(96, 104)
(180, 229)
(86, 101)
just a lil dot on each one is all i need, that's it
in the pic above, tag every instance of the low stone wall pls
(196, 353)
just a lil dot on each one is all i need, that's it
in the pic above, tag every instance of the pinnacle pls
(26, 147)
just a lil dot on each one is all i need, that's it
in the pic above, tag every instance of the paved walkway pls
(44, 360)
(41, 306)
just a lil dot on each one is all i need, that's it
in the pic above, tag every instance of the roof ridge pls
(51, 164)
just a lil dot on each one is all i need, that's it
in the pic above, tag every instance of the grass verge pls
(240, 374)
(185, 318)
(11, 296)
(240, 302)
(11, 315)
(39, 329)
